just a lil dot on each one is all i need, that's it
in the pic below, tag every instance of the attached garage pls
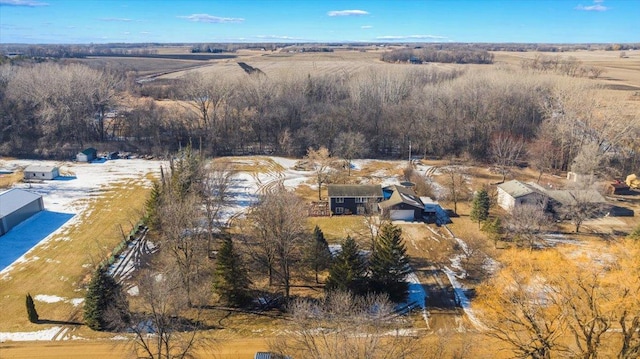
(16, 205)
(402, 214)
(402, 205)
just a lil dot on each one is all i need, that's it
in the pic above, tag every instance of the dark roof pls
(403, 195)
(354, 190)
(619, 185)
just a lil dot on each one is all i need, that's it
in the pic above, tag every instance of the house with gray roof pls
(515, 193)
(353, 198)
(17, 205)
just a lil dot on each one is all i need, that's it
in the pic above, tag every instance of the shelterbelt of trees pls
(53, 109)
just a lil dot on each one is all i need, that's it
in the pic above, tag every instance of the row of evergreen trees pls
(384, 272)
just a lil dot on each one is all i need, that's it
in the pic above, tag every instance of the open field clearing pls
(620, 73)
(104, 200)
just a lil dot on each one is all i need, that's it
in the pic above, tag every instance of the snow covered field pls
(64, 199)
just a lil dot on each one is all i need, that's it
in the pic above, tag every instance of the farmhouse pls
(87, 155)
(403, 204)
(16, 205)
(514, 193)
(353, 198)
(41, 173)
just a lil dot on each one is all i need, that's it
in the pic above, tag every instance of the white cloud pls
(29, 3)
(366, 27)
(411, 37)
(347, 13)
(211, 19)
(597, 6)
(277, 37)
(117, 19)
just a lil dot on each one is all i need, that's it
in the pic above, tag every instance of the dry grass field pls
(60, 268)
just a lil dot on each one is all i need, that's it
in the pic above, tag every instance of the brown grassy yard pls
(61, 267)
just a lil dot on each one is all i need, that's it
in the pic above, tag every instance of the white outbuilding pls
(41, 173)
(16, 205)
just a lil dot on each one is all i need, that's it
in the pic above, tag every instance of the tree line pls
(52, 110)
(456, 56)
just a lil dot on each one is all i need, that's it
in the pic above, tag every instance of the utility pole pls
(409, 151)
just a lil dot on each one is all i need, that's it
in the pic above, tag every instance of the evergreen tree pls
(104, 297)
(493, 229)
(231, 281)
(319, 255)
(31, 310)
(480, 206)
(389, 264)
(152, 219)
(347, 271)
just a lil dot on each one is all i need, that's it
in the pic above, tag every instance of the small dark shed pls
(87, 155)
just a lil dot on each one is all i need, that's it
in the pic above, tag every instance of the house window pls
(361, 200)
(340, 200)
(339, 210)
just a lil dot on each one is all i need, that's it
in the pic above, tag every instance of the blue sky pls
(93, 21)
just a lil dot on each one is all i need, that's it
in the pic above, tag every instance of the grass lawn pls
(62, 266)
(337, 228)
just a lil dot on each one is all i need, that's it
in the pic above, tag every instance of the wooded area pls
(54, 109)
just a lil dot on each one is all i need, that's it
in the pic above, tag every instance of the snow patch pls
(45, 334)
(465, 303)
(48, 298)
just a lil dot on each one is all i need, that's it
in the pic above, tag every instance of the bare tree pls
(456, 183)
(183, 239)
(542, 155)
(167, 326)
(279, 232)
(519, 311)
(349, 145)
(588, 163)
(506, 151)
(581, 205)
(321, 161)
(215, 193)
(346, 326)
(584, 298)
(527, 221)
(205, 95)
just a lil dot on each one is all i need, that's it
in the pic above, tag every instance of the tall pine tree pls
(389, 264)
(31, 310)
(231, 281)
(319, 255)
(348, 269)
(104, 298)
(480, 206)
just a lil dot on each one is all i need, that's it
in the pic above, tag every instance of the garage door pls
(401, 214)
